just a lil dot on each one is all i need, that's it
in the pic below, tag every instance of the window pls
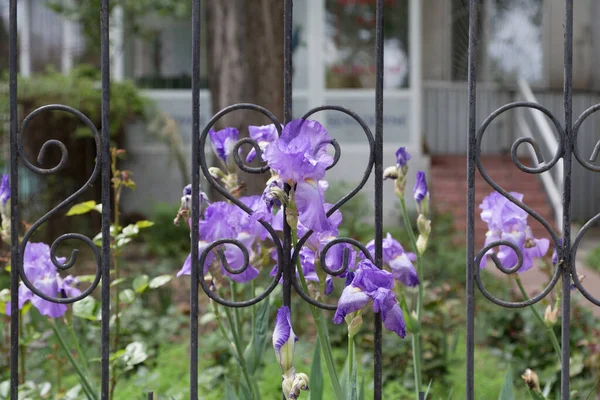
(350, 44)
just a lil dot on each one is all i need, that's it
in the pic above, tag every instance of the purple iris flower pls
(555, 253)
(186, 200)
(420, 189)
(270, 196)
(402, 157)
(399, 261)
(508, 222)
(223, 141)
(372, 285)
(299, 157)
(226, 221)
(4, 190)
(263, 135)
(42, 273)
(284, 339)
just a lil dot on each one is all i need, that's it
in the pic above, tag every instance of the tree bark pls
(245, 57)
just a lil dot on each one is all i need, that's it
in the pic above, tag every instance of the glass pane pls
(161, 58)
(350, 44)
(299, 47)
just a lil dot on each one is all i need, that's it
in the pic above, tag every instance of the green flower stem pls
(253, 307)
(22, 349)
(539, 317)
(416, 338)
(85, 384)
(82, 356)
(352, 369)
(321, 329)
(236, 312)
(240, 355)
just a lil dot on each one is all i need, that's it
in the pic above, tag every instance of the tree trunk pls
(245, 57)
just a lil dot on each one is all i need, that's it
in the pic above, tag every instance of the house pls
(520, 57)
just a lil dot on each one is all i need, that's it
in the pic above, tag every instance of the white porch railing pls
(539, 129)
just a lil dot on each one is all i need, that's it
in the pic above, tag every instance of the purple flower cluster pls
(284, 339)
(4, 191)
(371, 285)
(399, 261)
(299, 157)
(43, 275)
(507, 221)
(226, 221)
(223, 142)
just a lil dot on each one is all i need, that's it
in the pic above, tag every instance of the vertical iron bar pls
(287, 114)
(566, 243)
(471, 151)
(195, 198)
(378, 188)
(104, 157)
(14, 206)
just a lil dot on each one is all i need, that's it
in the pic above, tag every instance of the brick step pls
(533, 200)
(449, 188)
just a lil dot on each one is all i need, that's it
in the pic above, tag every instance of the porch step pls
(449, 191)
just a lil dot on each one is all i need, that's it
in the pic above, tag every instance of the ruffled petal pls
(309, 202)
(351, 300)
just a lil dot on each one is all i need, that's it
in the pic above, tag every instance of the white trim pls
(25, 24)
(117, 41)
(316, 20)
(68, 42)
(416, 82)
(554, 187)
(367, 93)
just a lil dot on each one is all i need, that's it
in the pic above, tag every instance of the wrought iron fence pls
(566, 245)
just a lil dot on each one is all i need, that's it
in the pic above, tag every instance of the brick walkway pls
(449, 194)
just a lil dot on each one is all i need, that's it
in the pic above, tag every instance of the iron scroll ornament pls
(54, 211)
(543, 166)
(276, 239)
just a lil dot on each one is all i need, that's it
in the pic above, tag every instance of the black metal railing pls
(566, 245)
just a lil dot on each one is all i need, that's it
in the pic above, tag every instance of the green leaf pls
(140, 284)
(316, 374)
(135, 353)
(428, 388)
(206, 318)
(361, 393)
(257, 346)
(159, 281)
(86, 308)
(127, 296)
(116, 355)
(536, 395)
(98, 240)
(117, 282)
(229, 391)
(82, 208)
(144, 224)
(507, 392)
(130, 230)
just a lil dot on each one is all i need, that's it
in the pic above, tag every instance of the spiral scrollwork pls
(542, 166)
(545, 166)
(225, 193)
(585, 163)
(54, 211)
(336, 206)
(508, 271)
(234, 271)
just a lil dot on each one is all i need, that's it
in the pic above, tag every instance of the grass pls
(169, 379)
